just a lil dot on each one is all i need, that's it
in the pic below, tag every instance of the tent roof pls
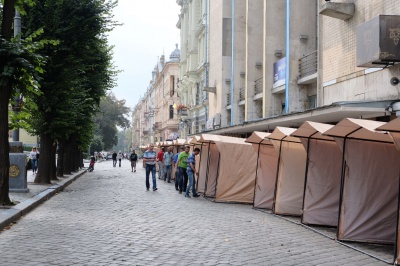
(167, 143)
(283, 134)
(359, 129)
(392, 126)
(195, 140)
(259, 138)
(233, 140)
(312, 130)
(209, 138)
(179, 141)
(188, 141)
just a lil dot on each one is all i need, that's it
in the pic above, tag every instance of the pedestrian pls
(160, 159)
(133, 157)
(95, 155)
(119, 157)
(149, 158)
(176, 168)
(168, 159)
(114, 157)
(191, 172)
(182, 166)
(34, 156)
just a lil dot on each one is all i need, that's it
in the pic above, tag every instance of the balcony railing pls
(228, 99)
(242, 94)
(258, 86)
(308, 65)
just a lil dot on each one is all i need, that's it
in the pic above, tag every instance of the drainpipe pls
(206, 56)
(233, 62)
(287, 57)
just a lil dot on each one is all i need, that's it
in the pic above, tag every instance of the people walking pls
(182, 166)
(114, 158)
(176, 168)
(160, 159)
(168, 160)
(119, 157)
(191, 172)
(133, 158)
(149, 158)
(34, 156)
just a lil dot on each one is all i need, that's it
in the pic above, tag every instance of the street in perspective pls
(106, 217)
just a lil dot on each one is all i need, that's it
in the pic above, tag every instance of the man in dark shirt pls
(114, 157)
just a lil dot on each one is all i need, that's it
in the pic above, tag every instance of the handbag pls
(29, 165)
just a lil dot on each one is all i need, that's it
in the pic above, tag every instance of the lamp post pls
(18, 99)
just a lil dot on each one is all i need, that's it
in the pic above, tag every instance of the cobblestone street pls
(107, 218)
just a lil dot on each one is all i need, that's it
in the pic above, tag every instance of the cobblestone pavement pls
(107, 218)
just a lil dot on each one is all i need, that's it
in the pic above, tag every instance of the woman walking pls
(34, 156)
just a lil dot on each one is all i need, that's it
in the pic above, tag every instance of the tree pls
(111, 116)
(19, 68)
(78, 74)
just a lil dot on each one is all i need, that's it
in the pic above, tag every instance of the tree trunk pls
(5, 94)
(75, 154)
(53, 175)
(60, 158)
(67, 156)
(43, 175)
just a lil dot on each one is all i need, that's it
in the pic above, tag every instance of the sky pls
(148, 31)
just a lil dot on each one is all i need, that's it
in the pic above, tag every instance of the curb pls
(14, 213)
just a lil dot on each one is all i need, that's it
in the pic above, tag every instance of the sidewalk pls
(38, 193)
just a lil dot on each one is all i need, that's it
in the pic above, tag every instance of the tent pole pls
(397, 227)
(306, 174)
(216, 179)
(255, 180)
(342, 179)
(277, 175)
(197, 181)
(208, 168)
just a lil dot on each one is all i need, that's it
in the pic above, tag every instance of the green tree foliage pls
(77, 75)
(20, 67)
(111, 116)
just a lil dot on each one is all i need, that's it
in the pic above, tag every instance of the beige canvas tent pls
(209, 165)
(289, 187)
(176, 144)
(322, 177)
(370, 182)
(237, 168)
(393, 127)
(267, 162)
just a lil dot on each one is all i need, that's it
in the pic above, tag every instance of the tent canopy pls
(188, 140)
(179, 142)
(259, 138)
(359, 129)
(283, 134)
(312, 130)
(195, 140)
(392, 126)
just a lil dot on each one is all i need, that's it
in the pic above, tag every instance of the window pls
(172, 86)
(312, 102)
(171, 112)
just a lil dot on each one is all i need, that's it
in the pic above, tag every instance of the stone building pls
(194, 66)
(154, 118)
(280, 63)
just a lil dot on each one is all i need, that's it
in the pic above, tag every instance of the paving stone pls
(107, 218)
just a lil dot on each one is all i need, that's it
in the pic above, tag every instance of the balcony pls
(228, 101)
(183, 112)
(242, 96)
(308, 68)
(258, 86)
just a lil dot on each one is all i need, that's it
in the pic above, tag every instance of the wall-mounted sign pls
(279, 73)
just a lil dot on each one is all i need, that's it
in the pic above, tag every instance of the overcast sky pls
(148, 30)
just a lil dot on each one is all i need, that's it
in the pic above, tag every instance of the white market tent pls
(289, 189)
(322, 177)
(267, 162)
(370, 182)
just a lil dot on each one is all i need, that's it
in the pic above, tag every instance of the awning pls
(326, 114)
(283, 134)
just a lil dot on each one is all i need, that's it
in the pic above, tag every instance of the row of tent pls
(344, 176)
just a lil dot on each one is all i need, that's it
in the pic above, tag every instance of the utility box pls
(378, 41)
(18, 175)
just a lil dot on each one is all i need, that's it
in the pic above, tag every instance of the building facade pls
(155, 117)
